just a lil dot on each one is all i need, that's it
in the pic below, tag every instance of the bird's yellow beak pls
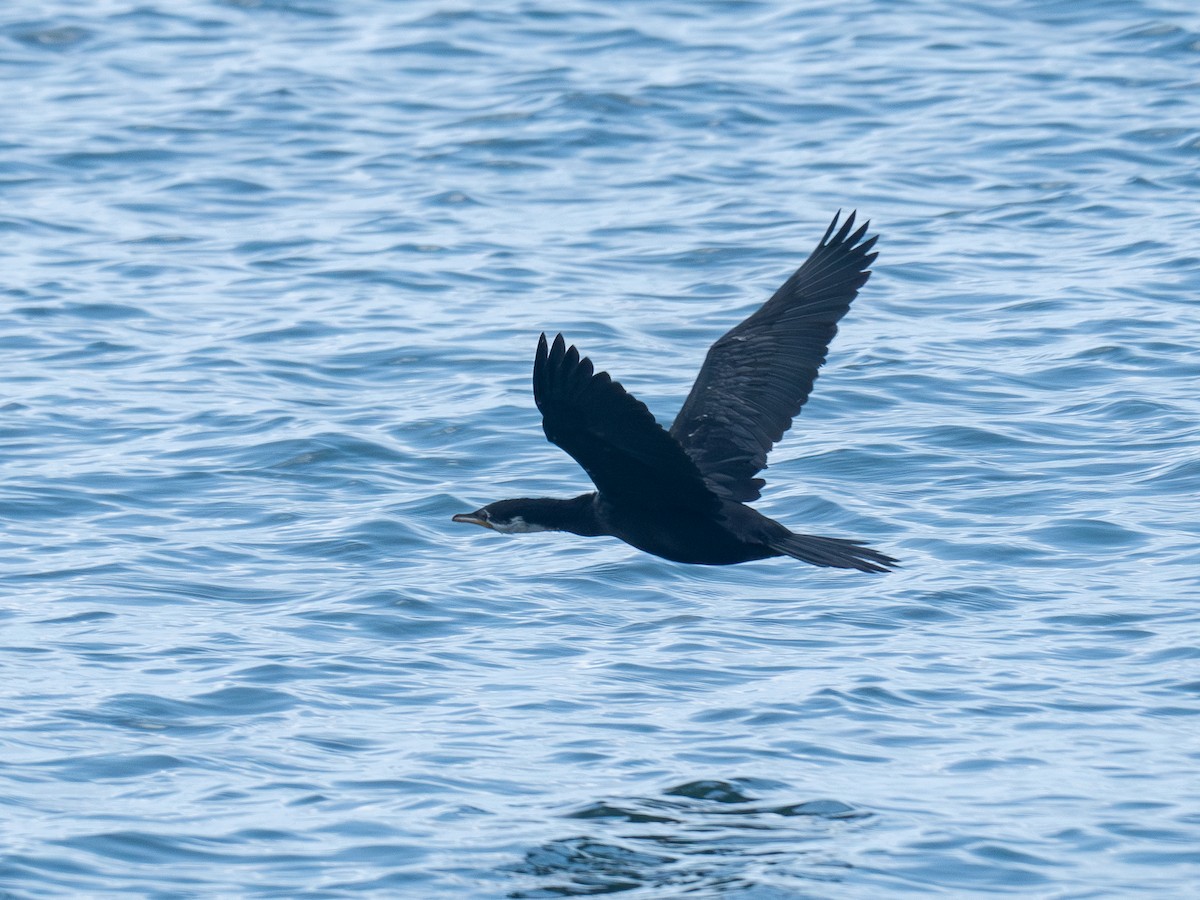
(471, 519)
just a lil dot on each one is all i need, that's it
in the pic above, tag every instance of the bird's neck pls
(577, 515)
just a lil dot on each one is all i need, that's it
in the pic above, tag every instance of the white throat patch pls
(517, 525)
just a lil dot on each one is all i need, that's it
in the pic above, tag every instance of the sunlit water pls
(273, 276)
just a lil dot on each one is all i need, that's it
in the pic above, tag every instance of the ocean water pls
(272, 276)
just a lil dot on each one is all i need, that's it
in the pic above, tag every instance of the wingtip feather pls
(829, 230)
(840, 237)
(858, 235)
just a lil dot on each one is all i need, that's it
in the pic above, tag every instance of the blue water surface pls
(273, 273)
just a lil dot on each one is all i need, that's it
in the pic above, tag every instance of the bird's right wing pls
(627, 454)
(756, 378)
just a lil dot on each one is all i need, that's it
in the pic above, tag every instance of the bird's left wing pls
(758, 375)
(627, 454)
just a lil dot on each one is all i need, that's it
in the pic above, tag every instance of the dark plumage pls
(681, 494)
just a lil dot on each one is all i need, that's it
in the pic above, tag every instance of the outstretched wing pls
(627, 454)
(756, 378)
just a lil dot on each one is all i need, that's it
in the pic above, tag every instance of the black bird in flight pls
(682, 494)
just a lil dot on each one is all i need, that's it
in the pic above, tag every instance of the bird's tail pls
(835, 552)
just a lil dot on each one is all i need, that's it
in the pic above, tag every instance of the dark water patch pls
(132, 160)
(1088, 533)
(113, 767)
(52, 37)
(144, 712)
(695, 837)
(435, 49)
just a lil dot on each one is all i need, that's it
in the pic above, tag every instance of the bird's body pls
(662, 530)
(682, 494)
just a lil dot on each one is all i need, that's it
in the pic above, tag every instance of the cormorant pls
(681, 494)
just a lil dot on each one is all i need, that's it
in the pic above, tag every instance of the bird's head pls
(507, 516)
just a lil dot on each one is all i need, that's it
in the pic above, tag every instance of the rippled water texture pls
(273, 274)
